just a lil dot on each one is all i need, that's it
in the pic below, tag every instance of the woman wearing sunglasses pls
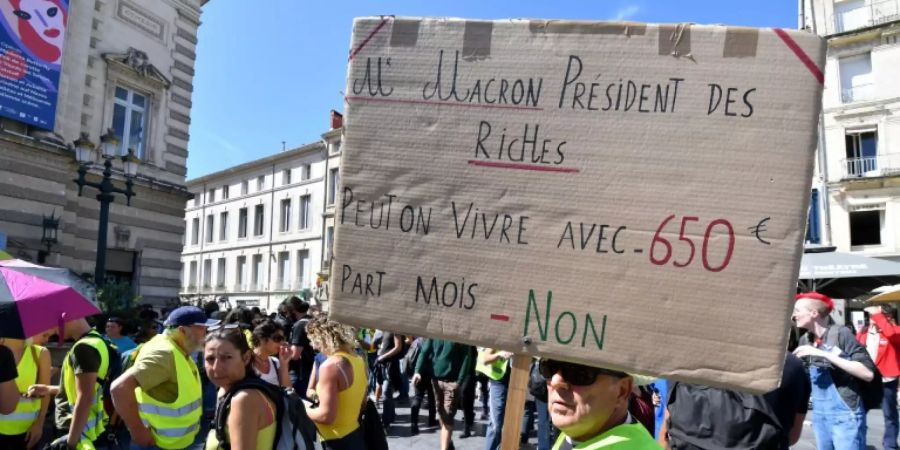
(590, 407)
(271, 354)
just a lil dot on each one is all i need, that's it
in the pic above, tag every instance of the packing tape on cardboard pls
(675, 40)
(582, 27)
(405, 33)
(740, 42)
(477, 40)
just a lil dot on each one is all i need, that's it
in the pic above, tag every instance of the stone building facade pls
(856, 194)
(127, 65)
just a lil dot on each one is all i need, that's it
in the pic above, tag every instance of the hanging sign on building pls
(616, 194)
(32, 33)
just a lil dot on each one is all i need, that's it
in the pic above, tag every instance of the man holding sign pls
(590, 407)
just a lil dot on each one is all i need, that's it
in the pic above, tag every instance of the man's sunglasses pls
(574, 374)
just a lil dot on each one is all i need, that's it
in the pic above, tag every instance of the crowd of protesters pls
(205, 378)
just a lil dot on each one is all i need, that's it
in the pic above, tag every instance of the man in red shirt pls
(882, 340)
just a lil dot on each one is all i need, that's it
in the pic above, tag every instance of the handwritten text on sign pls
(577, 191)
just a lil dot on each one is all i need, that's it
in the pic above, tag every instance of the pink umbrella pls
(34, 298)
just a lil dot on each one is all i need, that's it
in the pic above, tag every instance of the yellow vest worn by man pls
(623, 437)
(173, 425)
(97, 417)
(27, 409)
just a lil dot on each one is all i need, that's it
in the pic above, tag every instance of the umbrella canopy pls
(885, 294)
(34, 298)
(845, 275)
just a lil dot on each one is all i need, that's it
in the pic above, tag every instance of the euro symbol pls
(759, 228)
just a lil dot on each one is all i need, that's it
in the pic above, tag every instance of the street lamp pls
(86, 154)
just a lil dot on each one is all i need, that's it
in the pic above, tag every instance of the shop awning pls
(845, 275)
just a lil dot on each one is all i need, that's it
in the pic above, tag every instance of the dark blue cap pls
(187, 316)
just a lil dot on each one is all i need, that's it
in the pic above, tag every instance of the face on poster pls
(32, 33)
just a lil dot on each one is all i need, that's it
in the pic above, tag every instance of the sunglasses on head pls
(223, 326)
(574, 374)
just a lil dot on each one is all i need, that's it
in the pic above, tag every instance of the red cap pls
(829, 303)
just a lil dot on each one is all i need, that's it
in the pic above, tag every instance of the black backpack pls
(293, 428)
(871, 392)
(706, 418)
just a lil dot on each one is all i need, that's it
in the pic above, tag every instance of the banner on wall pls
(32, 33)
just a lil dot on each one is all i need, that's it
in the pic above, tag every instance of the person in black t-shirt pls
(302, 355)
(9, 393)
(703, 417)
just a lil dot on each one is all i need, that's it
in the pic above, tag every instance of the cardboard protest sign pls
(617, 194)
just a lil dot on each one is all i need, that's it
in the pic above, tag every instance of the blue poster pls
(31, 46)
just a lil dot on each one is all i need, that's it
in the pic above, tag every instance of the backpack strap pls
(223, 408)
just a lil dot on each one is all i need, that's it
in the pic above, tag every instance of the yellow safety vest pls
(173, 425)
(27, 409)
(97, 417)
(623, 437)
(495, 370)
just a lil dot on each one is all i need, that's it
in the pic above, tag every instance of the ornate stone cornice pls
(137, 63)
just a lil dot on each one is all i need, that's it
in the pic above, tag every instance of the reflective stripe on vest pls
(495, 370)
(173, 425)
(169, 412)
(175, 432)
(96, 421)
(27, 409)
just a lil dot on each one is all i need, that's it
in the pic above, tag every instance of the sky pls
(270, 71)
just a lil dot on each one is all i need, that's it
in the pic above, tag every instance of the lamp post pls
(85, 154)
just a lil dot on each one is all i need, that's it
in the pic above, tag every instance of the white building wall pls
(861, 183)
(270, 290)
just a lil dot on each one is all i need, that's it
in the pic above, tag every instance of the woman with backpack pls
(271, 354)
(251, 414)
(341, 385)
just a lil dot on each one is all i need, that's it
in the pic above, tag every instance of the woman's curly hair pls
(329, 336)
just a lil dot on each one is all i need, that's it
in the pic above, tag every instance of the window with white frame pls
(306, 172)
(211, 196)
(129, 120)
(332, 185)
(207, 272)
(861, 147)
(284, 270)
(867, 226)
(285, 177)
(192, 276)
(225, 192)
(210, 226)
(260, 183)
(258, 278)
(195, 231)
(223, 225)
(850, 15)
(285, 222)
(329, 243)
(242, 223)
(259, 217)
(220, 272)
(245, 187)
(305, 211)
(302, 269)
(857, 82)
(241, 273)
